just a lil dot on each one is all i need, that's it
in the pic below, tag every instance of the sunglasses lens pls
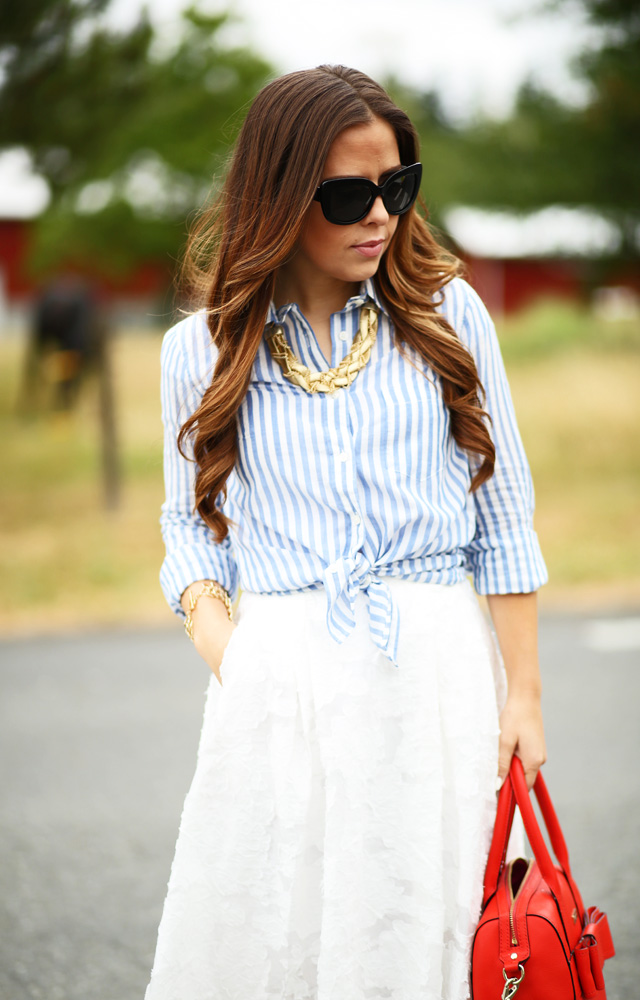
(401, 193)
(346, 201)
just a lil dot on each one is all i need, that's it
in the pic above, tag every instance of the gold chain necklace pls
(333, 378)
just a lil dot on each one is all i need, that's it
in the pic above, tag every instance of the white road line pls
(612, 635)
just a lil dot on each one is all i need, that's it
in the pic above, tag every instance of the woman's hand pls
(211, 643)
(212, 629)
(522, 732)
(515, 617)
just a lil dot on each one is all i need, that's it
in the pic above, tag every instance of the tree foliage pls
(446, 168)
(131, 135)
(548, 152)
(127, 136)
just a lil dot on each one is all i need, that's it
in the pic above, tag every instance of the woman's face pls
(351, 253)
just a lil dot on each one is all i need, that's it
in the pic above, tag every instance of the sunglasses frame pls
(377, 190)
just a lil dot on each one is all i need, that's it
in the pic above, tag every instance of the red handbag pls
(535, 937)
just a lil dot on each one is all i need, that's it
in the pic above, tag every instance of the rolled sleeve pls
(192, 552)
(504, 555)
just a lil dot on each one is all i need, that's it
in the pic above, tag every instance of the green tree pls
(128, 139)
(548, 152)
(446, 169)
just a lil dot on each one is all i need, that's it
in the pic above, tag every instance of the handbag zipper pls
(514, 939)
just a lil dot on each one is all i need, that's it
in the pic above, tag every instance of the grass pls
(579, 418)
(64, 559)
(66, 562)
(553, 327)
(575, 379)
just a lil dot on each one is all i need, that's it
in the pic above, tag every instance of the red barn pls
(135, 294)
(512, 262)
(515, 260)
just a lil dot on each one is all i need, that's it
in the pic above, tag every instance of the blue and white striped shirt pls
(342, 490)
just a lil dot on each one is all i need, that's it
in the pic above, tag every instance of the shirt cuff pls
(511, 564)
(189, 563)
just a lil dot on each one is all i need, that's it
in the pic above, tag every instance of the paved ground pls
(98, 736)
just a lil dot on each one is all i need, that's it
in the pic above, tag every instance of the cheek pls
(392, 225)
(319, 239)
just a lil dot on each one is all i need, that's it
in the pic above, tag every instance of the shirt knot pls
(342, 580)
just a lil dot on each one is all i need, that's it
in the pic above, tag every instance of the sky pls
(475, 53)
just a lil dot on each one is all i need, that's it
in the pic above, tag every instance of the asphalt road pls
(98, 736)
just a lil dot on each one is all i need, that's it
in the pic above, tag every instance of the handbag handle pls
(514, 791)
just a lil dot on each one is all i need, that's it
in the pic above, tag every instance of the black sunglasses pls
(345, 200)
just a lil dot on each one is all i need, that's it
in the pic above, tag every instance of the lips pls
(370, 249)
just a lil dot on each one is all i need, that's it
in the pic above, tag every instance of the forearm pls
(515, 619)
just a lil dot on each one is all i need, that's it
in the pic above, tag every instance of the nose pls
(377, 213)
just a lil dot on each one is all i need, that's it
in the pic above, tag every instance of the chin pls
(361, 271)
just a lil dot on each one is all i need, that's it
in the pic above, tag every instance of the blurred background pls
(115, 123)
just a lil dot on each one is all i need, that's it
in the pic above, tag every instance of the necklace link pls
(333, 378)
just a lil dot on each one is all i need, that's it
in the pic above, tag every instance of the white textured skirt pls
(333, 841)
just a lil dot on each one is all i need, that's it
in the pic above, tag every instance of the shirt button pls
(343, 334)
(357, 519)
(343, 456)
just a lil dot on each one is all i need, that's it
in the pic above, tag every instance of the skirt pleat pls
(333, 841)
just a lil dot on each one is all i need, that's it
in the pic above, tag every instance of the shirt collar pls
(366, 294)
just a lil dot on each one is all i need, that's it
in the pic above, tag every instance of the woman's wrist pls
(200, 594)
(185, 596)
(211, 624)
(525, 689)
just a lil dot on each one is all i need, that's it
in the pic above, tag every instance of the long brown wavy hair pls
(252, 228)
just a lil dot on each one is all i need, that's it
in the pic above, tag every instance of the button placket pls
(355, 503)
(346, 480)
(339, 337)
(308, 349)
(335, 428)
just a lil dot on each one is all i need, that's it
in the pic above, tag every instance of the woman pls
(346, 479)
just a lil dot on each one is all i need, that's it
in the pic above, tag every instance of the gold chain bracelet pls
(209, 589)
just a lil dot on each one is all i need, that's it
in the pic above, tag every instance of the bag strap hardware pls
(511, 984)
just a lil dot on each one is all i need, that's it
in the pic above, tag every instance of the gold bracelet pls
(210, 589)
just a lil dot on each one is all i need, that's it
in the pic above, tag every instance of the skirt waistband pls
(417, 604)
